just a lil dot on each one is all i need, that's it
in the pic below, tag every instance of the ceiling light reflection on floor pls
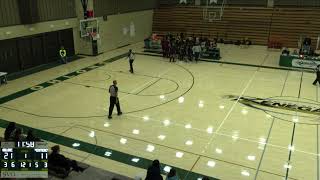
(291, 148)
(244, 111)
(181, 100)
(295, 119)
(211, 163)
(108, 153)
(136, 131)
(245, 173)
(123, 141)
(75, 144)
(287, 166)
(166, 122)
(161, 137)
(150, 148)
(179, 154)
(92, 134)
(251, 158)
(145, 118)
(189, 143)
(219, 151)
(188, 126)
(107, 124)
(135, 160)
(210, 130)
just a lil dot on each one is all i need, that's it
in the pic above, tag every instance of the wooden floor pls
(200, 118)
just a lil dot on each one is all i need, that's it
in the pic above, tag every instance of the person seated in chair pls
(58, 160)
(285, 51)
(10, 131)
(247, 42)
(31, 137)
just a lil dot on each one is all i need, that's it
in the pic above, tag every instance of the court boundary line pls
(268, 137)
(99, 150)
(293, 131)
(58, 79)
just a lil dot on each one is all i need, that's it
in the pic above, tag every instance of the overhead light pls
(108, 153)
(123, 141)
(51, 25)
(211, 163)
(135, 131)
(245, 173)
(150, 148)
(8, 32)
(161, 137)
(210, 130)
(166, 122)
(219, 151)
(221, 106)
(181, 99)
(251, 158)
(91, 134)
(188, 126)
(167, 169)
(189, 143)
(179, 154)
(135, 160)
(268, 116)
(162, 96)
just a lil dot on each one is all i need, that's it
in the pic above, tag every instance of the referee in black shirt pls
(318, 76)
(114, 100)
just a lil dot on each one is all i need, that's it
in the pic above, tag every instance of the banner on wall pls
(305, 63)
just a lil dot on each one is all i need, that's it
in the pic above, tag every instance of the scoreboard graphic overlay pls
(24, 159)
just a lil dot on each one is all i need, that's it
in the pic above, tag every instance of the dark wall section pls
(56, 9)
(9, 13)
(28, 11)
(296, 3)
(31, 51)
(109, 7)
(14, 12)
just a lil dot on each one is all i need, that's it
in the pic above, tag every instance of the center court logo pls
(283, 108)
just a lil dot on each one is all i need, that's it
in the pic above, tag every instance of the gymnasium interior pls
(218, 89)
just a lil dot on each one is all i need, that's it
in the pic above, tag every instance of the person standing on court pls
(63, 55)
(318, 75)
(131, 57)
(114, 100)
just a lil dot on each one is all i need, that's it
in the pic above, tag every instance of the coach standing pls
(318, 75)
(114, 100)
(63, 55)
(131, 59)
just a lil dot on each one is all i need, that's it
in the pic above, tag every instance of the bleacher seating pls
(256, 23)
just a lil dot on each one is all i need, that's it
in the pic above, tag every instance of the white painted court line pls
(225, 135)
(143, 85)
(231, 109)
